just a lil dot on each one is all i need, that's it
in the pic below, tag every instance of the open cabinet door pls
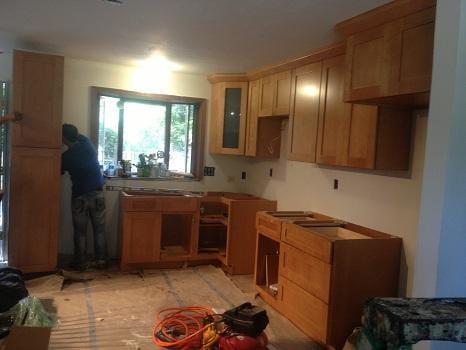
(35, 162)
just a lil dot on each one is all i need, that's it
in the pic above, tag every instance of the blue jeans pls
(89, 206)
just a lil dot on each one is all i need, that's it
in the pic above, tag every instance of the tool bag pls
(12, 288)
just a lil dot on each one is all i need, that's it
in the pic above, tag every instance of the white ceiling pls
(202, 36)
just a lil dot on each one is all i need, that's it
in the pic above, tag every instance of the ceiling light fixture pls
(114, 2)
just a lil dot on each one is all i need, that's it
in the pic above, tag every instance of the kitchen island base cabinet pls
(327, 269)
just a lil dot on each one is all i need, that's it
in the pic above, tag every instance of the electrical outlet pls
(270, 172)
(209, 171)
(243, 175)
(335, 184)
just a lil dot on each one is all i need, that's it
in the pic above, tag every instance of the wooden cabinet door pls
(34, 209)
(253, 109)
(306, 311)
(366, 65)
(362, 137)
(229, 120)
(334, 114)
(412, 47)
(266, 96)
(38, 94)
(214, 131)
(304, 113)
(141, 237)
(281, 96)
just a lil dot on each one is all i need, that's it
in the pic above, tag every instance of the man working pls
(80, 160)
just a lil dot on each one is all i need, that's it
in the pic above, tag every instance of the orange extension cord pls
(186, 322)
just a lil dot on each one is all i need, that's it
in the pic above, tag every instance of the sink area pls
(152, 194)
(149, 192)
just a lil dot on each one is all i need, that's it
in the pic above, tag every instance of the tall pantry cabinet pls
(35, 162)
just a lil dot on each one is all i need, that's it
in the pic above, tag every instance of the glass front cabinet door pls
(228, 127)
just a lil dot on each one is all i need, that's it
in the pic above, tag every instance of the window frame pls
(199, 120)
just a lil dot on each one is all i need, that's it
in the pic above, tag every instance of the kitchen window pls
(153, 135)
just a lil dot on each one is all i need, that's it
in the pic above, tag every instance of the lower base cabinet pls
(319, 271)
(305, 310)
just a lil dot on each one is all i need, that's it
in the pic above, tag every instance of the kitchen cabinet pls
(172, 229)
(360, 136)
(263, 134)
(318, 271)
(334, 118)
(274, 95)
(34, 213)
(142, 237)
(392, 63)
(157, 228)
(38, 94)
(228, 117)
(35, 162)
(304, 115)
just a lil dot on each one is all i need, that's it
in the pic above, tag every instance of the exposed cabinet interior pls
(263, 137)
(176, 233)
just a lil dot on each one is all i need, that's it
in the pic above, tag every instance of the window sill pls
(175, 179)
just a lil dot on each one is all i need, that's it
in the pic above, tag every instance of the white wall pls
(388, 204)
(7, 43)
(80, 75)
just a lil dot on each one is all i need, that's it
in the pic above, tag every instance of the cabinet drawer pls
(182, 204)
(307, 241)
(141, 204)
(269, 226)
(309, 273)
(304, 310)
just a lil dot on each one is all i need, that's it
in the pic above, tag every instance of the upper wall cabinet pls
(228, 117)
(263, 135)
(274, 95)
(38, 94)
(392, 63)
(359, 136)
(334, 114)
(304, 114)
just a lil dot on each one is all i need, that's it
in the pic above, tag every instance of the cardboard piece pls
(27, 338)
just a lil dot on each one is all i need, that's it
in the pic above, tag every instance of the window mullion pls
(168, 122)
(121, 119)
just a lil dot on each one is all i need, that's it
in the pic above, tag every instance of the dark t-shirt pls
(81, 162)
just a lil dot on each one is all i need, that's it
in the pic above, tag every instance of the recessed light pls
(114, 2)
